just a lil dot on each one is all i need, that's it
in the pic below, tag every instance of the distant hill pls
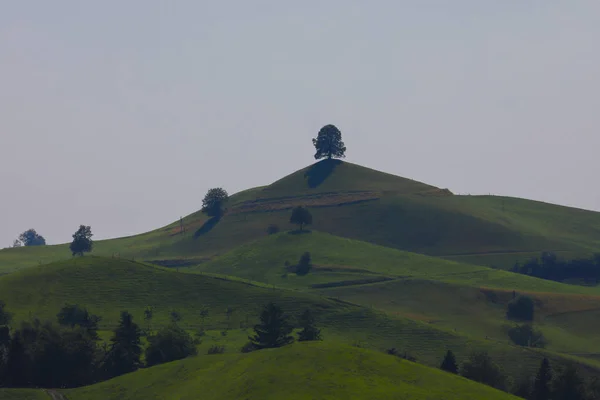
(301, 371)
(355, 202)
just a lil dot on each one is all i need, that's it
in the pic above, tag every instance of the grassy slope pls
(469, 299)
(264, 260)
(314, 370)
(107, 286)
(389, 210)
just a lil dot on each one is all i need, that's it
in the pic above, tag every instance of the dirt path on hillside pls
(55, 395)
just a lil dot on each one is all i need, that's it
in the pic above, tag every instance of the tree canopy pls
(328, 143)
(31, 238)
(82, 241)
(301, 216)
(214, 202)
(273, 330)
(449, 363)
(309, 330)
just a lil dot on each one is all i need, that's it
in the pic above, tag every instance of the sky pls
(122, 114)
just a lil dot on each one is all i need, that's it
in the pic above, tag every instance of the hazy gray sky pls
(121, 114)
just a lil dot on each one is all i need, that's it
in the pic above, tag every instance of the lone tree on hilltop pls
(449, 363)
(273, 330)
(309, 330)
(301, 216)
(213, 202)
(329, 143)
(31, 238)
(82, 241)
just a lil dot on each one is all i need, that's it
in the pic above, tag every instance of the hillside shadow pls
(207, 227)
(319, 172)
(299, 232)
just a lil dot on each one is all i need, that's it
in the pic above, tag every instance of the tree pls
(17, 243)
(541, 385)
(272, 229)
(301, 216)
(169, 344)
(82, 241)
(203, 314)
(214, 201)
(31, 238)
(328, 143)
(568, 385)
(126, 349)
(273, 330)
(5, 316)
(73, 315)
(304, 265)
(480, 368)
(309, 330)
(449, 363)
(148, 314)
(520, 309)
(525, 335)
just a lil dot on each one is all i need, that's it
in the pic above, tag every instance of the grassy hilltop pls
(356, 202)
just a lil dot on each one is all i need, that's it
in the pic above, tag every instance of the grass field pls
(312, 371)
(106, 286)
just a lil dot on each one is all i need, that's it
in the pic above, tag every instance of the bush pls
(216, 349)
(480, 368)
(520, 309)
(304, 265)
(272, 229)
(169, 344)
(525, 335)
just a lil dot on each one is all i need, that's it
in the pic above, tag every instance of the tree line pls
(547, 384)
(68, 352)
(549, 266)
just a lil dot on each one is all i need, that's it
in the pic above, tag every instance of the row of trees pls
(68, 352)
(565, 384)
(549, 266)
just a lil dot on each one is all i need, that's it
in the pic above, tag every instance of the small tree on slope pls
(309, 330)
(273, 330)
(82, 241)
(449, 363)
(126, 349)
(214, 202)
(541, 385)
(301, 216)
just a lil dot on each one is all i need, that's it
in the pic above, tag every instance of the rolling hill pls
(315, 370)
(355, 202)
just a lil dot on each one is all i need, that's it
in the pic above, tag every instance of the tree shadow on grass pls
(207, 227)
(319, 172)
(299, 232)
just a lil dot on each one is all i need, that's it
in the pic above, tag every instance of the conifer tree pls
(568, 385)
(126, 349)
(541, 385)
(273, 330)
(309, 330)
(449, 363)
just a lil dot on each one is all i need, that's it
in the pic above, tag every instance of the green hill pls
(356, 202)
(301, 371)
(460, 297)
(23, 394)
(106, 286)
